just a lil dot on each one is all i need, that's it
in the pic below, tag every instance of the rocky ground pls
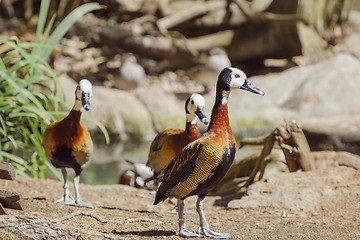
(321, 204)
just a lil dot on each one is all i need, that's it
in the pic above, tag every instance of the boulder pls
(121, 113)
(329, 88)
(322, 97)
(165, 109)
(312, 187)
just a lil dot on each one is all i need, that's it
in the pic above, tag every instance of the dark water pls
(109, 161)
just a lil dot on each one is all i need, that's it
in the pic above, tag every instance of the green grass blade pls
(13, 157)
(65, 25)
(39, 47)
(44, 9)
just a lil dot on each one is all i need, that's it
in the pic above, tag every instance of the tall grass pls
(27, 103)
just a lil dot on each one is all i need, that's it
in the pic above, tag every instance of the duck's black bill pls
(86, 101)
(249, 87)
(201, 116)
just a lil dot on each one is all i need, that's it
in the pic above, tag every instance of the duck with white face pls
(169, 142)
(201, 164)
(68, 143)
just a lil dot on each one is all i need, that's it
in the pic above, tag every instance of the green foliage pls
(27, 103)
(6, 235)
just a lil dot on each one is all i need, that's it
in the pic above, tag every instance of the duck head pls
(83, 93)
(195, 106)
(232, 78)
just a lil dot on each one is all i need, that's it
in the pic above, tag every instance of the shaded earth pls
(321, 204)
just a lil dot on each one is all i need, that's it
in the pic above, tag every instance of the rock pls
(121, 112)
(25, 227)
(349, 43)
(329, 88)
(312, 91)
(7, 172)
(322, 97)
(11, 200)
(305, 191)
(324, 159)
(165, 109)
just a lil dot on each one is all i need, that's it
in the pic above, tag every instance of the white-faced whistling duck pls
(68, 144)
(168, 143)
(201, 164)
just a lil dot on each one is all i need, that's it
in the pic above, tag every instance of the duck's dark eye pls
(237, 75)
(192, 101)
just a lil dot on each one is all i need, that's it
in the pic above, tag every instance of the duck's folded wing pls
(178, 170)
(183, 164)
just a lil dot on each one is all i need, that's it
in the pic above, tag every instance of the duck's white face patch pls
(196, 101)
(85, 86)
(238, 78)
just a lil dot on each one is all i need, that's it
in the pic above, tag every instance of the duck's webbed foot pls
(80, 203)
(67, 199)
(210, 233)
(186, 233)
(204, 229)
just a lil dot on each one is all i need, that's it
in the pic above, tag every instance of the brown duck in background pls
(202, 163)
(68, 144)
(168, 143)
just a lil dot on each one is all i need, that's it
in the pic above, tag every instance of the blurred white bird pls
(139, 175)
(211, 65)
(132, 74)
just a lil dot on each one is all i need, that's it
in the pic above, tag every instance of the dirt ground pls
(321, 204)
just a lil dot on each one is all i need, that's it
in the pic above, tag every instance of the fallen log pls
(214, 40)
(197, 9)
(292, 143)
(296, 148)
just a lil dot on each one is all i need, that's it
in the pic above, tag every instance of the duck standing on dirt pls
(68, 144)
(168, 143)
(201, 164)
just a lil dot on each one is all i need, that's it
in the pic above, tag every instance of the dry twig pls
(81, 213)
